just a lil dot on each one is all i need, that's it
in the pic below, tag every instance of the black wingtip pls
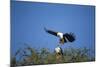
(72, 37)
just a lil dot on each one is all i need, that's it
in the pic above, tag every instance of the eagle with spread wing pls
(64, 38)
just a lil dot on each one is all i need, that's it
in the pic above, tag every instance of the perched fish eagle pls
(59, 54)
(64, 38)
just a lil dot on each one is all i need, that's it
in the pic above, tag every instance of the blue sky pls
(28, 20)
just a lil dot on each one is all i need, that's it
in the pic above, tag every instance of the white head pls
(59, 34)
(57, 49)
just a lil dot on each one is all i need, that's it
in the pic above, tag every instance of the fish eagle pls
(59, 54)
(63, 38)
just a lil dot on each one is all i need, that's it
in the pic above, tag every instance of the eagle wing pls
(69, 37)
(51, 32)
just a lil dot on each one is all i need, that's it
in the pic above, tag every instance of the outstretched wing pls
(69, 37)
(51, 32)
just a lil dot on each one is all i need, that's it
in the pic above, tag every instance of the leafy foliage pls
(31, 56)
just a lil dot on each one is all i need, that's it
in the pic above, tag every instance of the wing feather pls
(51, 32)
(70, 37)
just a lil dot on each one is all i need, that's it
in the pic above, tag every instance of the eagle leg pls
(61, 41)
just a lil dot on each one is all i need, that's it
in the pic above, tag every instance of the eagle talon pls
(61, 41)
